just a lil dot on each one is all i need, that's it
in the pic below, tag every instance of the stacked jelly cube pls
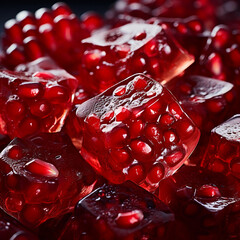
(122, 126)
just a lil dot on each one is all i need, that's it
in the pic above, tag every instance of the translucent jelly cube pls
(201, 199)
(12, 230)
(221, 56)
(35, 98)
(43, 177)
(207, 101)
(123, 211)
(136, 131)
(190, 32)
(223, 151)
(109, 56)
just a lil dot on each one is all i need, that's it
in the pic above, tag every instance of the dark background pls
(9, 8)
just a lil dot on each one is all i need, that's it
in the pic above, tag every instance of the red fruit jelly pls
(136, 131)
(35, 98)
(207, 101)
(123, 211)
(43, 176)
(110, 56)
(223, 151)
(189, 32)
(221, 56)
(201, 199)
(11, 229)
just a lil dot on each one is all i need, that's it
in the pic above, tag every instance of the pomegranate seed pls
(92, 20)
(43, 16)
(136, 128)
(15, 153)
(129, 219)
(14, 203)
(174, 158)
(15, 109)
(61, 9)
(136, 173)
(13, 30)
(29, 90)
(141, 150)
(208, 191)
(156, 174)
(152, 111)
(42, 168)
(122, 114)
(31, 214)
(139, 83)
(120, 91)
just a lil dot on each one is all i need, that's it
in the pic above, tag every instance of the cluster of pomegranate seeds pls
(222, 154)
(123, 211)
(138, 130)
(209, 11)
(201, 199)
(189, 32)
(110, 56)
(123, 126)
(35, 99)
(220, 58)
(56, 32)
(42, 176)
(207, 101)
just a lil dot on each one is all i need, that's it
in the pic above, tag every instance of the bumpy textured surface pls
(189, 32)
(35, 98)
(138, 130)
(201, 199)
(223, 151)
(110, 56)
(43, 176)
(123, 211)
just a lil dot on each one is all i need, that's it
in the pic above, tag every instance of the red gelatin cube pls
(35, 98)
(201, 199)
(126, 134)
(123, 211)
(222, 153)
(207, 101)
(221, 56)
(110, 56)
(189, 32)
(39, 170)
(11, 229)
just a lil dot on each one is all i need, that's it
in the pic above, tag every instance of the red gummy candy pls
(35, 98)
(43, 176)
(136, 130)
